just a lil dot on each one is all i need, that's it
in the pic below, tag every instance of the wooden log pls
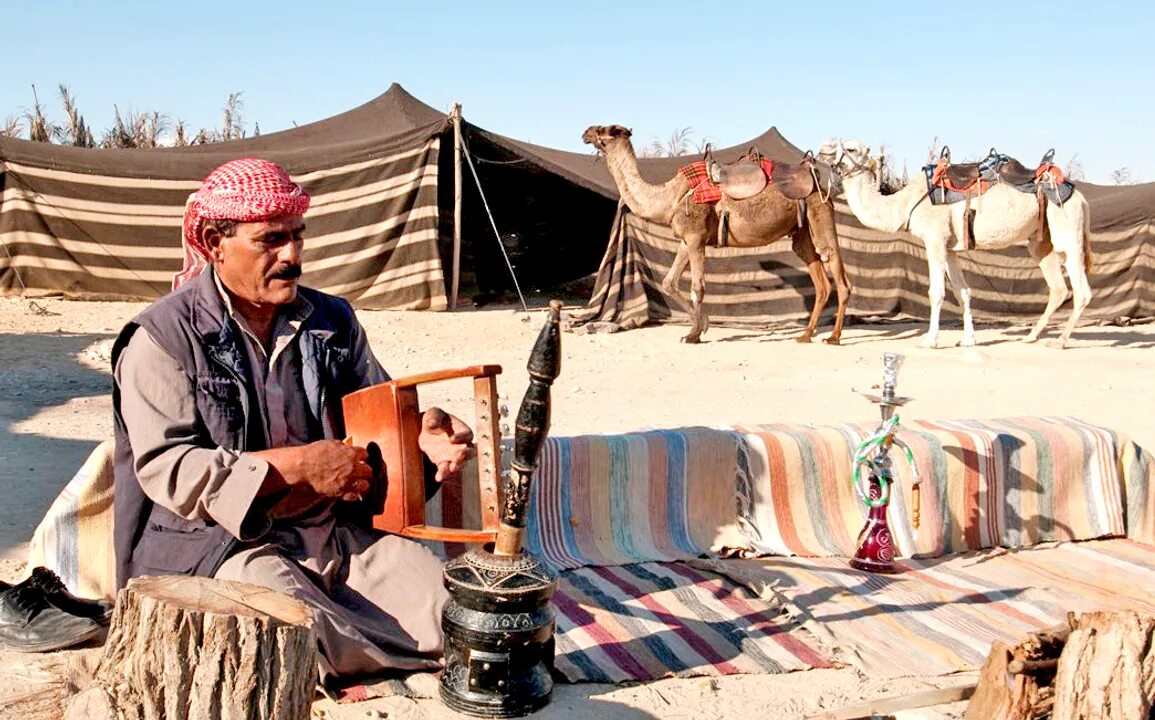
(997, 695)
(184, 647)
(887, 705)
(1107, 669)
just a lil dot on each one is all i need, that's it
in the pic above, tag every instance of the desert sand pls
(55, 407)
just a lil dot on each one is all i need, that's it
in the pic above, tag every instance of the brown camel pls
(756, 221)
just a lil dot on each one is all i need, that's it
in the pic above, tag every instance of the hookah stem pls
(531, 428)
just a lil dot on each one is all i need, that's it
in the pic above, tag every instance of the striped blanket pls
(633, 623)
(668, 495)
(995, 483)
(653, 620)
(941, 615)
(659, 495)
(75, 537)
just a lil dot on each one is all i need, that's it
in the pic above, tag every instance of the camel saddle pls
(741, 179)
(750, 174)
(995, 167)
(949, 182)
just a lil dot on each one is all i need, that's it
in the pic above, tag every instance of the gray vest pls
(193, 326)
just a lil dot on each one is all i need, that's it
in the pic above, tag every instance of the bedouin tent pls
(105, 223)
(768, 286)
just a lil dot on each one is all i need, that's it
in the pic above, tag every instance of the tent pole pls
(456, 205)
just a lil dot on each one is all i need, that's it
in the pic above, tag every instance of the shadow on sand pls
(42, 372)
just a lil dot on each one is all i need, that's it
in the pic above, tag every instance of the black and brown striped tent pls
(769, 286)
(105, 224)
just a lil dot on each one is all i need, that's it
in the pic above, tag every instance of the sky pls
(1018, 75)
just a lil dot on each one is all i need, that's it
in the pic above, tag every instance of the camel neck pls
(886, 213)
(652, 202)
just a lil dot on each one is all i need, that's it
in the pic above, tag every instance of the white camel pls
(1004, 217)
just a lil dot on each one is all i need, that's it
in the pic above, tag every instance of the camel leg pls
(1082, 291)
(803, 247)
(698, 321)
(936, 269)
(1052, 269)
(962, 291)
(842, 284)
(677, 269)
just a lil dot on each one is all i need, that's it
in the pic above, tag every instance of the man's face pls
(261, 261)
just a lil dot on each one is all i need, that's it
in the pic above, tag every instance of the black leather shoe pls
(57, 594)
(29, 623)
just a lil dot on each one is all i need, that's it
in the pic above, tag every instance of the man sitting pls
(229, 454)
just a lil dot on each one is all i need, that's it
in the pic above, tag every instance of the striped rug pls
(940, 616)
(653, 620)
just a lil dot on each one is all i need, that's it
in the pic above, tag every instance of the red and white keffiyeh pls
(246, 190)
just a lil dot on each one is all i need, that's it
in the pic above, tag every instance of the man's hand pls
(446, 441)
(328, 468)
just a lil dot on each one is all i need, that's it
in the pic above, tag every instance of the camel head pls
(848, 157)
(600, 136)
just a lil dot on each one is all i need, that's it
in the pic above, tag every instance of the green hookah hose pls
(861, 453)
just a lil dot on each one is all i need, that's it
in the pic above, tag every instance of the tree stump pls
(185, 647)
(1099, 665)
(1107, 669)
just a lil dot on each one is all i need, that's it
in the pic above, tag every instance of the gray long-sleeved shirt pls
(159, 409)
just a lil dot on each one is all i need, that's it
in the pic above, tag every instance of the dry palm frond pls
(232, 123)
(179, 133)
(40, 128)
(653, 150)
(679, 142)
(149, 127)
(889, 181)
(1075, 170)
(120, 135)
(12, 127)
(935, 150)
(1123, 176)
(77, 131)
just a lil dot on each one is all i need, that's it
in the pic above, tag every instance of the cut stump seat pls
(193, 647)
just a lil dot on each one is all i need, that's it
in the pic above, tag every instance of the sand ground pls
(55, 407)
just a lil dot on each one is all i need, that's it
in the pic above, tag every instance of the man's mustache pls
(288, 272)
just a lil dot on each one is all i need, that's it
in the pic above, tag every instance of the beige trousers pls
(377, 599)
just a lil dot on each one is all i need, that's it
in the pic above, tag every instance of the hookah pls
(499, 623)
(875, 543)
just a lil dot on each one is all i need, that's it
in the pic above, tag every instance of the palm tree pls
(40, 128)
(232, 124)
(179, 133)
(77, 131)
(1075, 169)
(12, 127)
(678, 144)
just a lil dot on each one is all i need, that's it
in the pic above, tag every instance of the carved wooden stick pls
(532, 426)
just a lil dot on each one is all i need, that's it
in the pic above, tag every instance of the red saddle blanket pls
(705, 190)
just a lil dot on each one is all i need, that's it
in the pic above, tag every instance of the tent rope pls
(34, 307)
(493, 224)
